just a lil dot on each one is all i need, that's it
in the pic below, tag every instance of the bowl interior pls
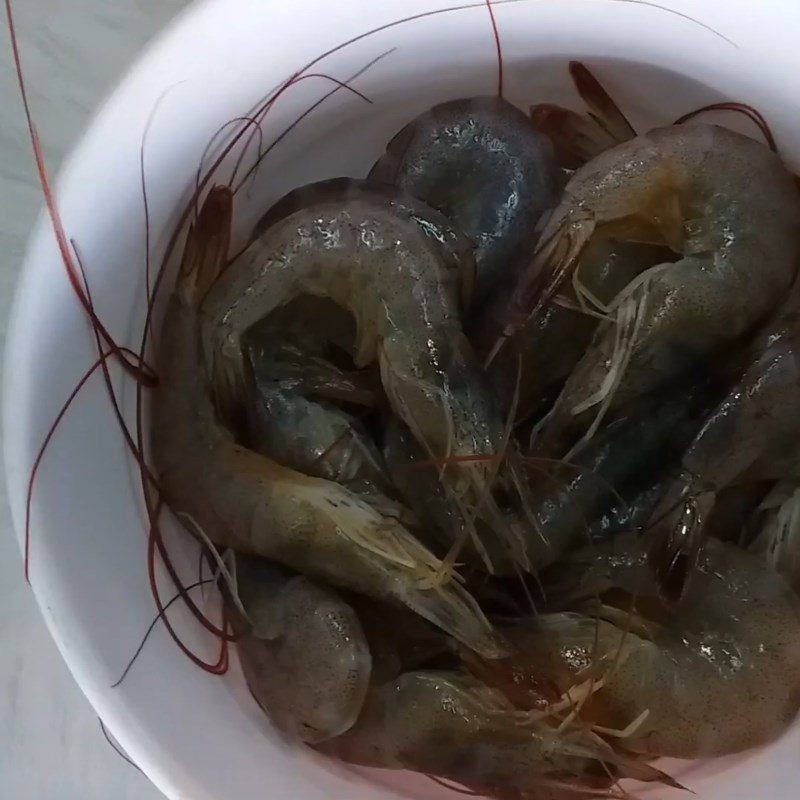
(198, 735)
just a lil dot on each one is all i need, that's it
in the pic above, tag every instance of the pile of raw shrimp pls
(505, 440)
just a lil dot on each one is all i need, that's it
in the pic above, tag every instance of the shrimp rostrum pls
(244, 500)
(723, 202)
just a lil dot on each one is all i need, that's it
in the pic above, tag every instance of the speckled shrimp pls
(753, 434)
(451, 725)
(724, 203)
(373, 253)
(302, 650)
(250, 503)
(458, 249)
(483, 165)
(717, 675)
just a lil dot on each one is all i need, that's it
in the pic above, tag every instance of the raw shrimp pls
(303, 652)
(371, 253)
(313, 435)
(248, 502)
(316, 438)
(309, 435)
(752, 435)
(481, 163)
(718, 674)
(451, 725)
(722, 201)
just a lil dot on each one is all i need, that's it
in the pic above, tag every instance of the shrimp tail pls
(580, 137)
(576, 138)
(602, 109)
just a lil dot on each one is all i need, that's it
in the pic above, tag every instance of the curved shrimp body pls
(718, 675)
(757, 421)
(304, 653)
(249, 502)
(451, 725)
(723, 202)
(753, 433)
(375, 258)
(483, 165)
(458, 248)
(316, 438)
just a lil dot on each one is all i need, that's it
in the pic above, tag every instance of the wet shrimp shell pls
(482, 164)
(305, 658)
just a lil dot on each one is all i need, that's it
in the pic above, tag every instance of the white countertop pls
(73, 51)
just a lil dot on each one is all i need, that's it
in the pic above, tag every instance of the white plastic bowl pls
(198, 736)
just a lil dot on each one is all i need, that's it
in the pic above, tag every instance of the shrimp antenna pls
(139, 371)
(496, 34)
(740, 108)
(454, 787)
(152, 626)
(675, 13)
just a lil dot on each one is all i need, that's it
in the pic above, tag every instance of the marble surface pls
(51, 744)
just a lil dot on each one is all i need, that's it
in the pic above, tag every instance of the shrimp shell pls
(718, 674)
(248, 502)
(304, 654)
(722, 201)
(483, 165)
